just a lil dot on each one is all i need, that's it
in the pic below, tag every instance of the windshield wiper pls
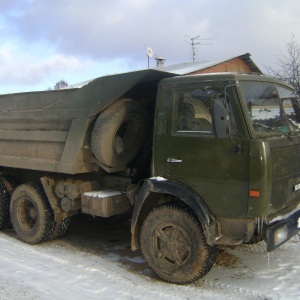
(265, 126)
(288, 134)
(297, 125)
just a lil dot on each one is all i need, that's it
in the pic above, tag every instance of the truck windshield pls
(273, 109)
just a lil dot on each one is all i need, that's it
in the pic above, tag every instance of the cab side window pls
(194, 111)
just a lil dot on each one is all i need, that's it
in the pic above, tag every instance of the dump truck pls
(194, 161)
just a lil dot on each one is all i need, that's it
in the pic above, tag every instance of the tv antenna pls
(194, 42)
(149, 54)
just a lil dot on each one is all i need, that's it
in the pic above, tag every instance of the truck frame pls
(195, 161)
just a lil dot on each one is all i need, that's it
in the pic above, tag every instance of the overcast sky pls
(44, 41)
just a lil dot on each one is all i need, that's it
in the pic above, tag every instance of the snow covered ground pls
(95, 262)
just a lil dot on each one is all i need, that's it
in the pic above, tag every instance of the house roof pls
(187, 68)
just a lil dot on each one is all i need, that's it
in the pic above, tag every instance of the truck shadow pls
(111, 241)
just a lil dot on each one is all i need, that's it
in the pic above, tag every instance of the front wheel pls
(31, 215)
(174, 246)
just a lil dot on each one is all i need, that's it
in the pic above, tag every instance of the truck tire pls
(7, 185)
(174, 246)
(31, 215)
(4, 208)
(119, 133)
(61, 228)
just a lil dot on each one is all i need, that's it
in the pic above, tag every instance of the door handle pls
(174, 160)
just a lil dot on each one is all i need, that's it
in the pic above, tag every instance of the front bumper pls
(279, 232)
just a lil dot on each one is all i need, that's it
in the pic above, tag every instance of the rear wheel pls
(174, 245)
(4, 208)
(61, 228)
(31, 215)
(7, 185)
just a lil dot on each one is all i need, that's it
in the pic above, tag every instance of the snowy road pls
(95, 262)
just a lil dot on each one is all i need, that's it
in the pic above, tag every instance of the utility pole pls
(193, 44)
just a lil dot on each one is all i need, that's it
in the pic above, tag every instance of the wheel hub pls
(172, 244)
(32, 213)
(27, 214)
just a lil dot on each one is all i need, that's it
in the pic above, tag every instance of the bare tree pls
(60, 85)
(289, 65)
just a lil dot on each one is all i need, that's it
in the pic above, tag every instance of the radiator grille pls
(285, 175)
(285, 161)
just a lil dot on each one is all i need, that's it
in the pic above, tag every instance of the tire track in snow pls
(243, 292)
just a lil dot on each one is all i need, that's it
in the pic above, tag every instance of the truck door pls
(187, 150)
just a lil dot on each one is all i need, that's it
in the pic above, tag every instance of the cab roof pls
(226, 76)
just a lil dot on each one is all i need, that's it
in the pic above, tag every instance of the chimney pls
(160, 61)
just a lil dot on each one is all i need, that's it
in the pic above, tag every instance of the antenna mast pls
(193, 44)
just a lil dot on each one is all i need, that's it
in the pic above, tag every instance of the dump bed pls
(50, 130)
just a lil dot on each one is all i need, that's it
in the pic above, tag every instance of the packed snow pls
(94, 261)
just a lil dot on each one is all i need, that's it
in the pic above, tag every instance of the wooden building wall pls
(234, 65)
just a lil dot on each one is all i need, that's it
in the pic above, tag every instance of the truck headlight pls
(280, 235)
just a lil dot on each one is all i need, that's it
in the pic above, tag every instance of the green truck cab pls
(196, 161)
(227, 147)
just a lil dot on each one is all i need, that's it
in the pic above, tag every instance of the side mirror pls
(219, 116)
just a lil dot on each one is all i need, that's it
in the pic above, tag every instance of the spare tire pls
(119, 133)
